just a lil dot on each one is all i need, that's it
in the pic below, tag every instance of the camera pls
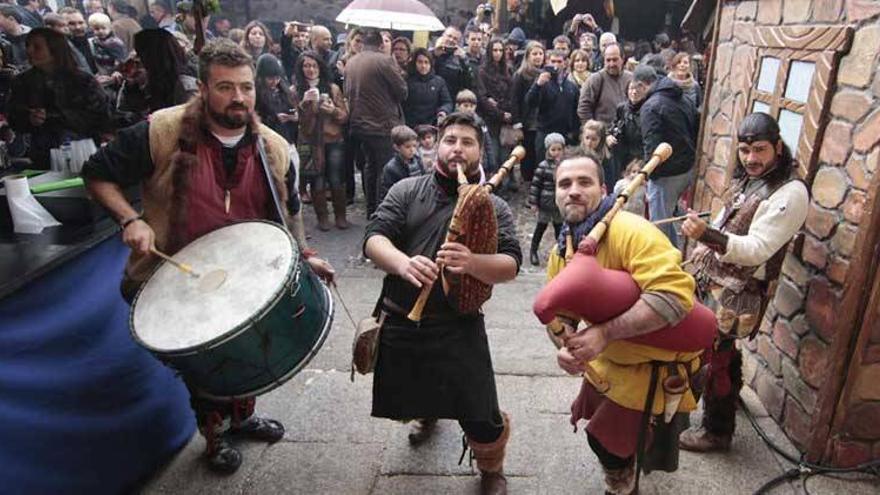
(551, 70)
(486, 10)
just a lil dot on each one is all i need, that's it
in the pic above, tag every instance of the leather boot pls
(220, 456)
(420, 430)
(723, 383)
(534, 259)
(259, 428)
(620, 481)
(490, 461)
(319, 202)
(699, 439)
(339, 204)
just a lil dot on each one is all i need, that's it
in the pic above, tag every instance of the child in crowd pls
(107, 49)
(542, 193)
(405, 162)
(466, 102)
(637, 201)
(427, 145)
(593, 135)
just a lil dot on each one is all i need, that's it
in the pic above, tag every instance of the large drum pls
(253, 317)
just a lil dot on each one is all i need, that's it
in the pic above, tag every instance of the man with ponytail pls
(737, 261)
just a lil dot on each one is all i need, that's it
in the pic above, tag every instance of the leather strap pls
(276, 201)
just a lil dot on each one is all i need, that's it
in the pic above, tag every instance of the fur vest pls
(175, 133)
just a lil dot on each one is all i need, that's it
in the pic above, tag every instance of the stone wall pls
(786, 362)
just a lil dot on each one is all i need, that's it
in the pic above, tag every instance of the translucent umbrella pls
(399, 15)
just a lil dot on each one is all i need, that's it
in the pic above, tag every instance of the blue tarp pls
(83, 409)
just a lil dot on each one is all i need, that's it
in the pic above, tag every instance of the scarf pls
(684, 83)
(580, 79)
(578, 231)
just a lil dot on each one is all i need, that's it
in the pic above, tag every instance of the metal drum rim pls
(292, 275)
(296, 369)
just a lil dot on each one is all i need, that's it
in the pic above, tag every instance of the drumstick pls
(180, 266)
(678, 219)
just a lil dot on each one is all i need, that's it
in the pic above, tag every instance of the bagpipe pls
(473, 224)
(584, 290)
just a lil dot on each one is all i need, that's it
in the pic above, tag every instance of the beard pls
(227, 118)
(446, 167)
(758, 169)
(574, 214)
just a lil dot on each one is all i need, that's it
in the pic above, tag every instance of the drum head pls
(242, 269)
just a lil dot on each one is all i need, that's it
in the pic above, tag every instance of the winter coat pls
(136, 100)
(15, 53)
(601, 94)
(271, 102)
(396, 170)
(691, 90)
(522, 112)
(107, 53)
(542, 191)
(556, 102)
(497, 86)
(375, 89)
(75, 105)
(427, 95)
(627, 129)
(454, 70)
(333, 125)
(667, 117)
(83, 47)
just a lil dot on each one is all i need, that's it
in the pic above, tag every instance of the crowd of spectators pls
(341, 97)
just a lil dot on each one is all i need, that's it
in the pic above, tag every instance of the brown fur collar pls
(194, 132)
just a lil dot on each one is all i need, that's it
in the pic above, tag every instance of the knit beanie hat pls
(269, 66)
(553, 138)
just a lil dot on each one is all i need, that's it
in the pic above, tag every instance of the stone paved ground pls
(333, 446)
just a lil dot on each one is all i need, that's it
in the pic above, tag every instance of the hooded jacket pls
(426, 96)
(666, 116)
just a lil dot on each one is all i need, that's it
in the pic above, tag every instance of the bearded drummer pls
(440, 367)
(737, 261)
(200, 170)
(618, 417)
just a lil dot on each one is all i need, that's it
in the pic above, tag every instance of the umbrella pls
(399, 15)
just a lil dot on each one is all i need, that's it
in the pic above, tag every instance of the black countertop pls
(25, 257)
(85, 224)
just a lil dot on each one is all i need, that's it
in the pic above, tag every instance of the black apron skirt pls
(436, 369)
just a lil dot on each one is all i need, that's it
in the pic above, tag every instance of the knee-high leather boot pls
(319, 202)
(339, 204)
(723, 384)
(490, 461)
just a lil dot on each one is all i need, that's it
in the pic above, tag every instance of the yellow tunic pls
(633, 245)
